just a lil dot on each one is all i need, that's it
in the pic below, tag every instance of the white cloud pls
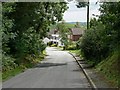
(74, 14)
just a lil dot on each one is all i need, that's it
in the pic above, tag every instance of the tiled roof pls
(55, 31)
(76, 31)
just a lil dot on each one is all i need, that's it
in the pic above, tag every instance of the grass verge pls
(110, 68)
(8, 74)
(77, 52)
(19, 69)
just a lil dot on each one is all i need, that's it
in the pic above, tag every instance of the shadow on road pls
(45, 65)
(77, 70)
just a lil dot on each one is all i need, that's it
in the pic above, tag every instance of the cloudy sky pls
(74, 14)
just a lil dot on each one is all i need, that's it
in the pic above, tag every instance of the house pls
(46, 40)
(75, 34)
(54, 37)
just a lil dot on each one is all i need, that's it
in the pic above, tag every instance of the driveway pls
(57, 70)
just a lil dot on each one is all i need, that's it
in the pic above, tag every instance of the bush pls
(95, 44)
(78, 43)
(71, 47)
(54, 45)
(8, 63)
(49, 43)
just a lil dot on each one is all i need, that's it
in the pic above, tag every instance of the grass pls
(60, 47)
(68, 25)
(9, 74)
(19, 69)
(110, 68)
(0, 76)
(77, 52)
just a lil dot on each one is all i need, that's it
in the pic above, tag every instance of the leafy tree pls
(7, 24)
(37, 15)
(102, 38)
(63, 30)
(77, 25)
(111, 19)
(25, 24)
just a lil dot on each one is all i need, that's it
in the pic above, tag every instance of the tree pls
(34, 18)
(110, 17)
(102, 38)
(24, 26)
(63, 30)
(77, 25)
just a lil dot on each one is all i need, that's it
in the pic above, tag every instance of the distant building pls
(46, 40)
(54, 37)
(75, 34)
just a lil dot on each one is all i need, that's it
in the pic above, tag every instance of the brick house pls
(75, 34)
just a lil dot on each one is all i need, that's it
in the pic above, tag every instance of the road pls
(57, 70)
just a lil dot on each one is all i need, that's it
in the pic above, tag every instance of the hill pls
(71, 25)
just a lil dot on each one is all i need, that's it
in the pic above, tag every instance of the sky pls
(74, 14)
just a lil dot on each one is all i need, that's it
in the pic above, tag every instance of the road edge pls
(85, 72)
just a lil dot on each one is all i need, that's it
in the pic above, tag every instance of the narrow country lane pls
(57, 70)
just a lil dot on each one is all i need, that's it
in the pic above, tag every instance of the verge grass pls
(110, 68)
(19, 69)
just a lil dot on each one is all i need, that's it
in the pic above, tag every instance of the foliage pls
(111, 19)
(102, 38)
(8, 63)
(81, 4)
(10, 73)
(110, 67)
(100, 45)
(76, 52)
(77, 25)
(25, 24)
(63, 30)
(93, 45)
(72, 46)
(54, 45)
(78, 43)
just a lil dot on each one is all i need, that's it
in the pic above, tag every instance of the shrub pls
(8, 63)
(49, 43)
(71, 47)
(54, 45)
(94, 45)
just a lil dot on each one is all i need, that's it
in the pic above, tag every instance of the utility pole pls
(88, 15)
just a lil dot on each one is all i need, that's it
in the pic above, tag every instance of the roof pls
(76, 31)
(55, 31)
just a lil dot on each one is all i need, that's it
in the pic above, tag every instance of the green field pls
(71, 25)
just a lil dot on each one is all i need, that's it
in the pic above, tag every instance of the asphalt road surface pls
(57, 70)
